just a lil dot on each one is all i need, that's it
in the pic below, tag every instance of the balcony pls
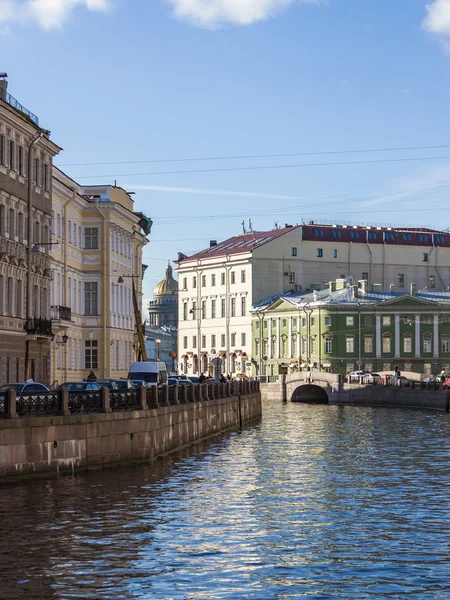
(61, 313)
(15, 104)
(39, 327)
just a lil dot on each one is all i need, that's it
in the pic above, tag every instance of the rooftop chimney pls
(212, 243)
(362, 284)
(3, 85)
(332, 286)
(413, 289)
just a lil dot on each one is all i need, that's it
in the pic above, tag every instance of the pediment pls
(409, 301)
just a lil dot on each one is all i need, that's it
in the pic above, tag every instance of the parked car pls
(355, 375)
(182, 379)
(194, 379)
(139, 383)
(23, 389)
(124, 384)
(371, 378)
(109, 383)
(79, 386)
(399, 380)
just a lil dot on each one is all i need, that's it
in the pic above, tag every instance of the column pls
(277, 347)
(378, 336)
(290, 338)
(397, 336)
(269, 349)
(417, 336)
(436, 336)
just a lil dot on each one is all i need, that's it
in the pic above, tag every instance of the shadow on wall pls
(310, 393)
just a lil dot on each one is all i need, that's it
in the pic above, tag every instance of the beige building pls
(26, 155)
(96, 257)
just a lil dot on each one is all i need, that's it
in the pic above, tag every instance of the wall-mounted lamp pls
(62, 341)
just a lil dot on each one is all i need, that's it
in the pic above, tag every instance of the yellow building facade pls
(96, 256)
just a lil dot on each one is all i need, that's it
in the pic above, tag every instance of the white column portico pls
(269, 349)
(378, 336)
(277, 347)
(290, 338)
(436, 336)
(397, 336)
(417, 336)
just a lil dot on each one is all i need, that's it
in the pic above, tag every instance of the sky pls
(215, 112)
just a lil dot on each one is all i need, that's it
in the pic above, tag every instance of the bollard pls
(154, 396)
(165, 387)
(142, 397)
(63, 400)
(185, 394)
(175, 391)
(10, 404)
(106, 406)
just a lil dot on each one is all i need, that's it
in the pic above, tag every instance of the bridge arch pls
(314, 394)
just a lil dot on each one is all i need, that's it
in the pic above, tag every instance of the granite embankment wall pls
(51, 445)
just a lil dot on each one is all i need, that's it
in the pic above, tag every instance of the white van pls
(153, 372)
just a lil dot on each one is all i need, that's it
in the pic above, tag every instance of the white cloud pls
(438, 17)
(211, 14)
(204, 192)
(48, 14)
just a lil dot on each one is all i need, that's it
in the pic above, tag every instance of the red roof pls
(239, 244)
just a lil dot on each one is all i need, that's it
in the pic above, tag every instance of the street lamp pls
(158, 347)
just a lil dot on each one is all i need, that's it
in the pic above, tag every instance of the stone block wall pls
(51, 445)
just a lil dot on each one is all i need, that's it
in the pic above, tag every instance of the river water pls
(313, 502)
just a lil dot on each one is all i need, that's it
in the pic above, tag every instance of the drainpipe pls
(64, 278)
(384, 260)
(105, 294)
(29, 311)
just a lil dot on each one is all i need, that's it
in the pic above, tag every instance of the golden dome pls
(168, 286)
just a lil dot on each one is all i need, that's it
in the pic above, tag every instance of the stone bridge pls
(329, 388)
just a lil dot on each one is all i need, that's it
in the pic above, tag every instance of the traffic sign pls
(359, 363)
(264, 357)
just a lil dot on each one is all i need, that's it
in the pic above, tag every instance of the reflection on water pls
(314, 502)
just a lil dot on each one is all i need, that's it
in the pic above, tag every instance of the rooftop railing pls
(15, 104)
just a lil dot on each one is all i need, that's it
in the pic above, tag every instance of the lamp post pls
(158, 348)
(197, 312)
(307, 310)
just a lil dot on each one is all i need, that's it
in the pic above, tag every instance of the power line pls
(253, 156)
(268, 167)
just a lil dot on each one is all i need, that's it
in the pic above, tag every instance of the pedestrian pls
(92, 376)
(202, 378)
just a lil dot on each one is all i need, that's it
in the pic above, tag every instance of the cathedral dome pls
(168, 286)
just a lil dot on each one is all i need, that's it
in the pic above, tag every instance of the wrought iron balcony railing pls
(61, 313)
(40, 327)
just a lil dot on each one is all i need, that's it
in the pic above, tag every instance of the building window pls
(313, 344)
(213, 341)
(46, 179)
(303, 346)
(222, 278)
(243, 339)
(365, 276)
(20, 156)
(213, 309)
(242, 276)
(425, 257)
(446, 344)
(400, 280)
(327, 321)
(194, 341)
(233, 339)
(294, 323)
(407, 343)
(319, 252)
(194, 282)
(368, 320)
(91, 298)
(203, 341)
(318, 232)
(386, 321)
(432, 281)
(12, 155)
(386, 344)
(185, 309)
(349, 344)
(91, 354)
(233, 307)
(291, 277)
(303, 321)
(222, 341)
(427, 343)
(185, 287)
(368, 344)
(283, 347)
(335, 255)
(336, 233)
(185, 342)
(328, 345)
(284, 323)
(354, 235)
(257, 347)
(91, 238)
(233, 277)
(203, 280)
(70, 231)
(204, 309)
(222, 307)
(294, 252)
(2, 150)
(265, 324)
(312, 321)
(350, 321)
(243, 305)
(194, 311)
(213, 280)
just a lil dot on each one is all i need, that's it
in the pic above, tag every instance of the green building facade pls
(346, 328)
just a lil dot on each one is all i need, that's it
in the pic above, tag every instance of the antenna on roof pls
(250, 228)
(243, 227)
(276, 224)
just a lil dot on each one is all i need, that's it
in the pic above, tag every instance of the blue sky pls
(136, 80)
